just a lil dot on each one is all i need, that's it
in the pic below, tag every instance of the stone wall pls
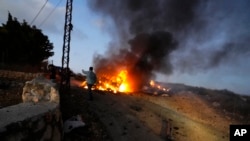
(18, 75)
(31, 122)
(38, 117)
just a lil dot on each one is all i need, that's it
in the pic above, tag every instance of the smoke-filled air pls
(163, 36)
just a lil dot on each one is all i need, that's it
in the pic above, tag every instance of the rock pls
(216, 104)
(40, 89)
(72, 123)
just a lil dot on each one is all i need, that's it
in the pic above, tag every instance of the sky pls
(212, 37)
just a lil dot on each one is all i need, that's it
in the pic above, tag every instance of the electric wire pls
(50, 13)
(38, 12)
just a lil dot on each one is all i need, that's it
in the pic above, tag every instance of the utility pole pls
(65, 72)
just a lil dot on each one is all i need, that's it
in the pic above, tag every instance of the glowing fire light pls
(122, 77)
(159, 87)
(152, 83)
(115, 84)
(123, 88)
(119, 83)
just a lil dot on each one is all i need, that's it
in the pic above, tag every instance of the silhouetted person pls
(91, 80)
(52, 73)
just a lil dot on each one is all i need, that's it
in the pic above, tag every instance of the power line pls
(50, 13)
(38, 12)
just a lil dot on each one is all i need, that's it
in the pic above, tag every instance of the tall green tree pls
(23, 44)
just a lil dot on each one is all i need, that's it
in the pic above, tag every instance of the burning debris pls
(115, 83)
(119, 83)
(131, 68)
(156, 89)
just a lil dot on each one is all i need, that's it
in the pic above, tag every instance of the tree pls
(22, 44)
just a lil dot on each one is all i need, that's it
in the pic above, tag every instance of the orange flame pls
(118, 83)
(152, 83)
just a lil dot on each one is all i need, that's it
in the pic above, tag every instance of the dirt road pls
(131, 117)
(119, 115)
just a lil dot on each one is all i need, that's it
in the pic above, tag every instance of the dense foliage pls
(23, 44)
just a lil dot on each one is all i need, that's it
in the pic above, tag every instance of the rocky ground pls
(183, 114)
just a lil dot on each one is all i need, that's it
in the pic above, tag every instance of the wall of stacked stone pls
(18, 75)
(37, 118)
(44, 124)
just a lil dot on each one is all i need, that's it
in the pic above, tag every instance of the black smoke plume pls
(162, 35)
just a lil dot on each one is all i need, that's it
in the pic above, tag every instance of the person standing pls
(52, 73)
(91, 80)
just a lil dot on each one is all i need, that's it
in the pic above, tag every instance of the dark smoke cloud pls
(149, 53)
(145, 26)
(222, 39)
(137, 16)
(146, 53)
(191, 35)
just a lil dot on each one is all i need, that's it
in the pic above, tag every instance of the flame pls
(124, 85)
(84, 84)
(120, 82)
(122, 88)
(152, 83)
(117, 83)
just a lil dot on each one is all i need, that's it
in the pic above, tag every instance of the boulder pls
(40, 89)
